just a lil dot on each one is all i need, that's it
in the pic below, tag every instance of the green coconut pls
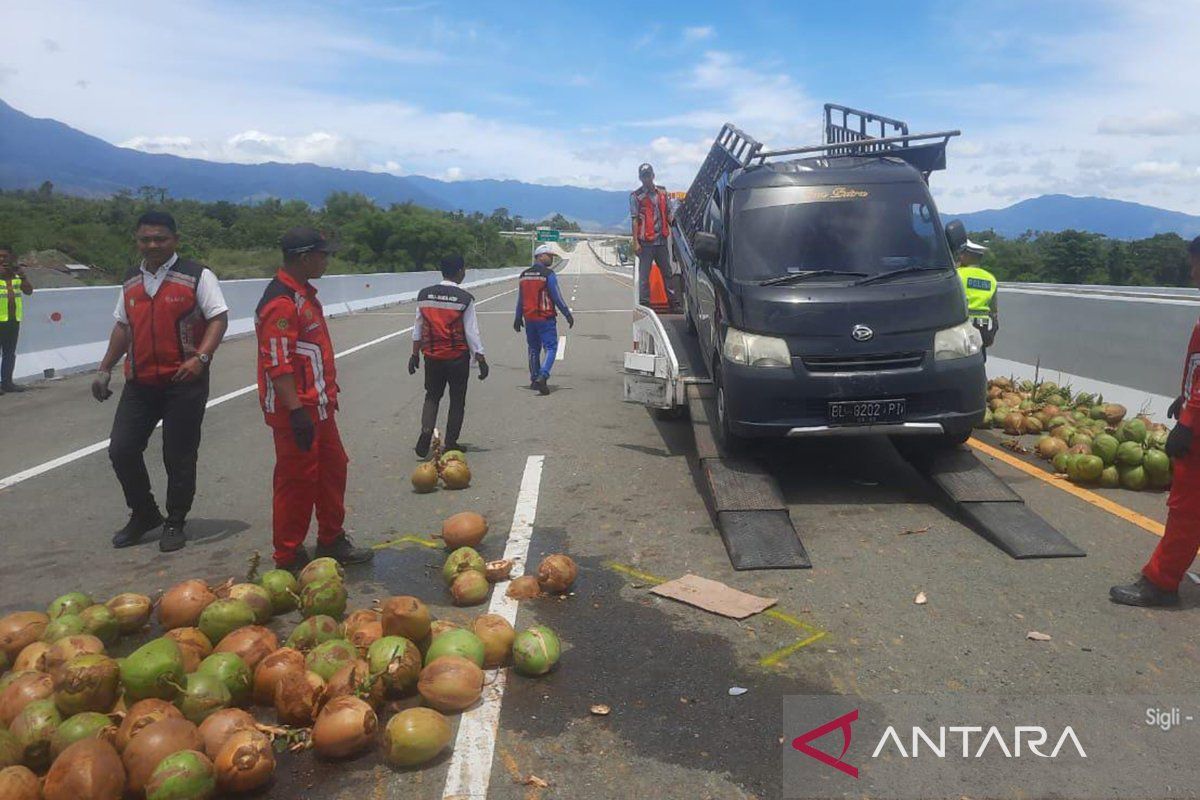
(313, 631)
(1133, 478)
(102, 623)
(453, 455)
(457, 642)
(34, 728)
(536, 651)
(1130, 454)
(222, 617)
(10, 750)
(414, 736)
(396, 661)
(203, 693)
(1134, 430)
(325, 598)
(321, 569)
(62, 627)
(1060, 461)
(283, 589)
(1106, 446)
(255, 596)
(87, 683)
(1157, 464)
(70, 603)
(88, 725)
(461, 560)
(1110, 478)
(1089, 468)
(232, 671)
(186, 775)
(328, 657)
(153, 670)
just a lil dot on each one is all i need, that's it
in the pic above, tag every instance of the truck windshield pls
(863, 230)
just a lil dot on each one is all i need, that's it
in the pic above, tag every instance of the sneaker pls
(343, 551)
(533, 384)
(172, 538)
(299, 561)
(423, 442)
(1143, 593)
(138, 526)
(542, 388)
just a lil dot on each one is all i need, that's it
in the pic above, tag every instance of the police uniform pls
(12, 309)
(979, 285)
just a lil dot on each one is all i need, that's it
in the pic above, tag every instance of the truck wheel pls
(729, 441)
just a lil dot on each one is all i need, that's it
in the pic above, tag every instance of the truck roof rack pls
(732, 149)
(851, 132)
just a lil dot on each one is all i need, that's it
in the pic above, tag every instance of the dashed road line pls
(562, 349)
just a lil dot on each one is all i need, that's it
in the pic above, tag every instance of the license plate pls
(865, 412)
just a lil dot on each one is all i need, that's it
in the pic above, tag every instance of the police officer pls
(298, 391)
(980, 287)
(651, 212)
(1158, 585)
(537, 300)
(14, 284)
(171, 317)
(446, 331)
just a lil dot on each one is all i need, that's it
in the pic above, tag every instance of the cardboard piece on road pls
(713, 596)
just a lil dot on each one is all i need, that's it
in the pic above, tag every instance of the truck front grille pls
(875, 363)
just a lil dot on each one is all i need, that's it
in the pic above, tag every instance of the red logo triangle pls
(843, 723)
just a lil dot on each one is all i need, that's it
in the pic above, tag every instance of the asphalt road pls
(618, 492)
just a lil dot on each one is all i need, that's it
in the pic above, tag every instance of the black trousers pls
(438, 375)
(180, 407)
(650, 254)
(8, 350)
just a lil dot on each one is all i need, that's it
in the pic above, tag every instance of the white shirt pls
(208, 291)
(470, 325)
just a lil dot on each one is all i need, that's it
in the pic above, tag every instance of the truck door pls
(706, 299)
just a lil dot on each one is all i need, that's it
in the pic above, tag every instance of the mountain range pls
(35, 150)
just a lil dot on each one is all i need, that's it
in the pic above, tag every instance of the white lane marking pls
(562, 349)
(1112, 298)
(61, 461)
(474, 748)
(575, 312)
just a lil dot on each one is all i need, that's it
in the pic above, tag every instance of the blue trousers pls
(541, 336)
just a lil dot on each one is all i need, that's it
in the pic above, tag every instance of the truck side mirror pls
(956, 235)
(707, 246)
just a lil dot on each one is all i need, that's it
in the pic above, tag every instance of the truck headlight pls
(754, 350)
(957, 342)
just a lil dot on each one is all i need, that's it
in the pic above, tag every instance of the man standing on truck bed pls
(980, 287)
(536, 303)
(652, 213)
(1158, 585)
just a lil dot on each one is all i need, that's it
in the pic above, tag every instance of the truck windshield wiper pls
(797, 277)
(897, 272)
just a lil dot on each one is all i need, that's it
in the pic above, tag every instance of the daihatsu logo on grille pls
(862, 333)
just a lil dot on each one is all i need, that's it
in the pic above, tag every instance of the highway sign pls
(548, 235)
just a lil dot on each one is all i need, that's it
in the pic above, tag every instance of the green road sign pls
(548, 235)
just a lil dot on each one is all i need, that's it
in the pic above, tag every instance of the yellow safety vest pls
(16, 290)
(980, 287)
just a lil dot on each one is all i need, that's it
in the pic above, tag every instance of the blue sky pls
(1065, 96)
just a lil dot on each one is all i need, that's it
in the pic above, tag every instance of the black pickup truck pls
(821, 286)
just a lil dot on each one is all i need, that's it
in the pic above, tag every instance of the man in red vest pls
(1158, 585)
(447, 333)
(298, 391)
(652, 212)
(171, 317)
(537, 298)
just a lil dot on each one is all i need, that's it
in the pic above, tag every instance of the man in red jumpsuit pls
(298, 390)
(1159, 581)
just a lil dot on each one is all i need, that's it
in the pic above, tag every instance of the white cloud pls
(1158, 123)
(698, 33)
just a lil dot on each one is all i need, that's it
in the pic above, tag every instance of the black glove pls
(570, 320)
(483, 368)
(303, 429)
(517, 324)
(1176, 408)
(413, 364)
(1179, 441)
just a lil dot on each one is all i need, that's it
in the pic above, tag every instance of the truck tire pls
(726, 438)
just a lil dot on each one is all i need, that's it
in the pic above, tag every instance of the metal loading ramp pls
(989, 505)
(751, 515)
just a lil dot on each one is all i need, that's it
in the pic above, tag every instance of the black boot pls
(172, 538)
(1143, 593)
(423, 442)
(140, 523)
(343, 551)
(542, 388)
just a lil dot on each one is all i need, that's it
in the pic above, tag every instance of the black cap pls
(305, 240)
(645, 169)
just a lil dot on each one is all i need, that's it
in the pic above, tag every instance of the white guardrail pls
(67, 330)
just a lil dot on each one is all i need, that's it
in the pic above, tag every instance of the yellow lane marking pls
(399, 541)
(1116, 509)
(769, 660)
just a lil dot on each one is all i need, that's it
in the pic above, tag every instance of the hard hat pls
(543, 249)
(974, 247)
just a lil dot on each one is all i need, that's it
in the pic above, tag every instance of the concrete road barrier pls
(67, 330)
